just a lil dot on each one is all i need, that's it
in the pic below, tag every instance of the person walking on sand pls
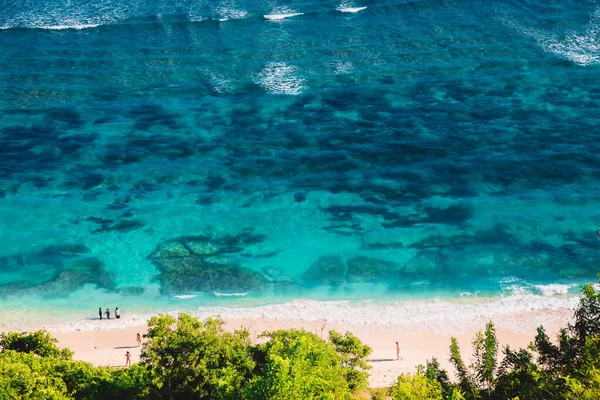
(107, 312)
(139, 339)
(117, 313)
(100, 312)
(127, 359)
(398, 352)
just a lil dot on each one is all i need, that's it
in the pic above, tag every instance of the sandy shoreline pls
(418, 342)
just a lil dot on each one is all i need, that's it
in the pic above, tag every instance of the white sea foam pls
(554, 289)
(582, 48)
(58, 27)
(193, 17)
(347, 7)
(438, 315)
(84, 14)
(282, 13)
(351, 9)
(280, 78)
(229, 294)
(57, 16)
(226, 14)
(516, 286)
(185, 296)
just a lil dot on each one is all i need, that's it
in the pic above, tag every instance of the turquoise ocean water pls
(183, 154)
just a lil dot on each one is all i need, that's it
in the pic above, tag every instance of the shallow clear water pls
(375, 150)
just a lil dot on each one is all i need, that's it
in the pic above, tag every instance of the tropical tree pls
(298, 365)
(416, 387)
(40, 343)
(188, 358)
(479, 377)
(466, 381)
(485, 346)
(584, 382)
(26, 376)
(353, 358)
(433, 371)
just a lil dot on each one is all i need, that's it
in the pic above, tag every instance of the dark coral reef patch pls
(206, 263)
(56, 270)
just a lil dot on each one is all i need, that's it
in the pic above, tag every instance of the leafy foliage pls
(416, 387)
(299, 365)
(23, 375)
(187, 357)
(39, 343)
(485, 348)
(546, 370)
(465, 378)
(120, 384)
(433, 371)
(587, 318)
(353, 355)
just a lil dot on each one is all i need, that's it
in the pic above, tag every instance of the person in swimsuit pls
(398, 352)
(100, 312)
(127, 359)
(107, 312)
(139, 339)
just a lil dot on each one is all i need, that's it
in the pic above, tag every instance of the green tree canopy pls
(353, 357)
(416, 387)
(187, 357)
(298, 365)
(40, 343)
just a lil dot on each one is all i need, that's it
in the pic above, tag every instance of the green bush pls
(190, 358)
(298, 365)
(416, 387)
(40, 343)
(27, 376)
(353, 358)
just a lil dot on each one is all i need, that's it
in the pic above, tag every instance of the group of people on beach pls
(107, 313)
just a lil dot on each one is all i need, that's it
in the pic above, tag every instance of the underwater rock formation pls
(194, 274)
(366, 269)
(206, 263)
(56, 270)
(380, 240)
(329, 270)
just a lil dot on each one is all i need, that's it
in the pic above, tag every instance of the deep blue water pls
(375, 149)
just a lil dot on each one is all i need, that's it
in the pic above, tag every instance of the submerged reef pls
(56, 270)
(332, 270)
(206, 263)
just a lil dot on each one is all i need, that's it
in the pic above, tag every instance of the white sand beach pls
(418, 342)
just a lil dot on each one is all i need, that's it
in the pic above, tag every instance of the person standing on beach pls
(107, 312)
(398, 352)
(139, 339)
(127, 359)
(117, 313)
(100, 312)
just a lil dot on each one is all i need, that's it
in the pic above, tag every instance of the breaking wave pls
(282, 13)
(581, 47)
(347, 7)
